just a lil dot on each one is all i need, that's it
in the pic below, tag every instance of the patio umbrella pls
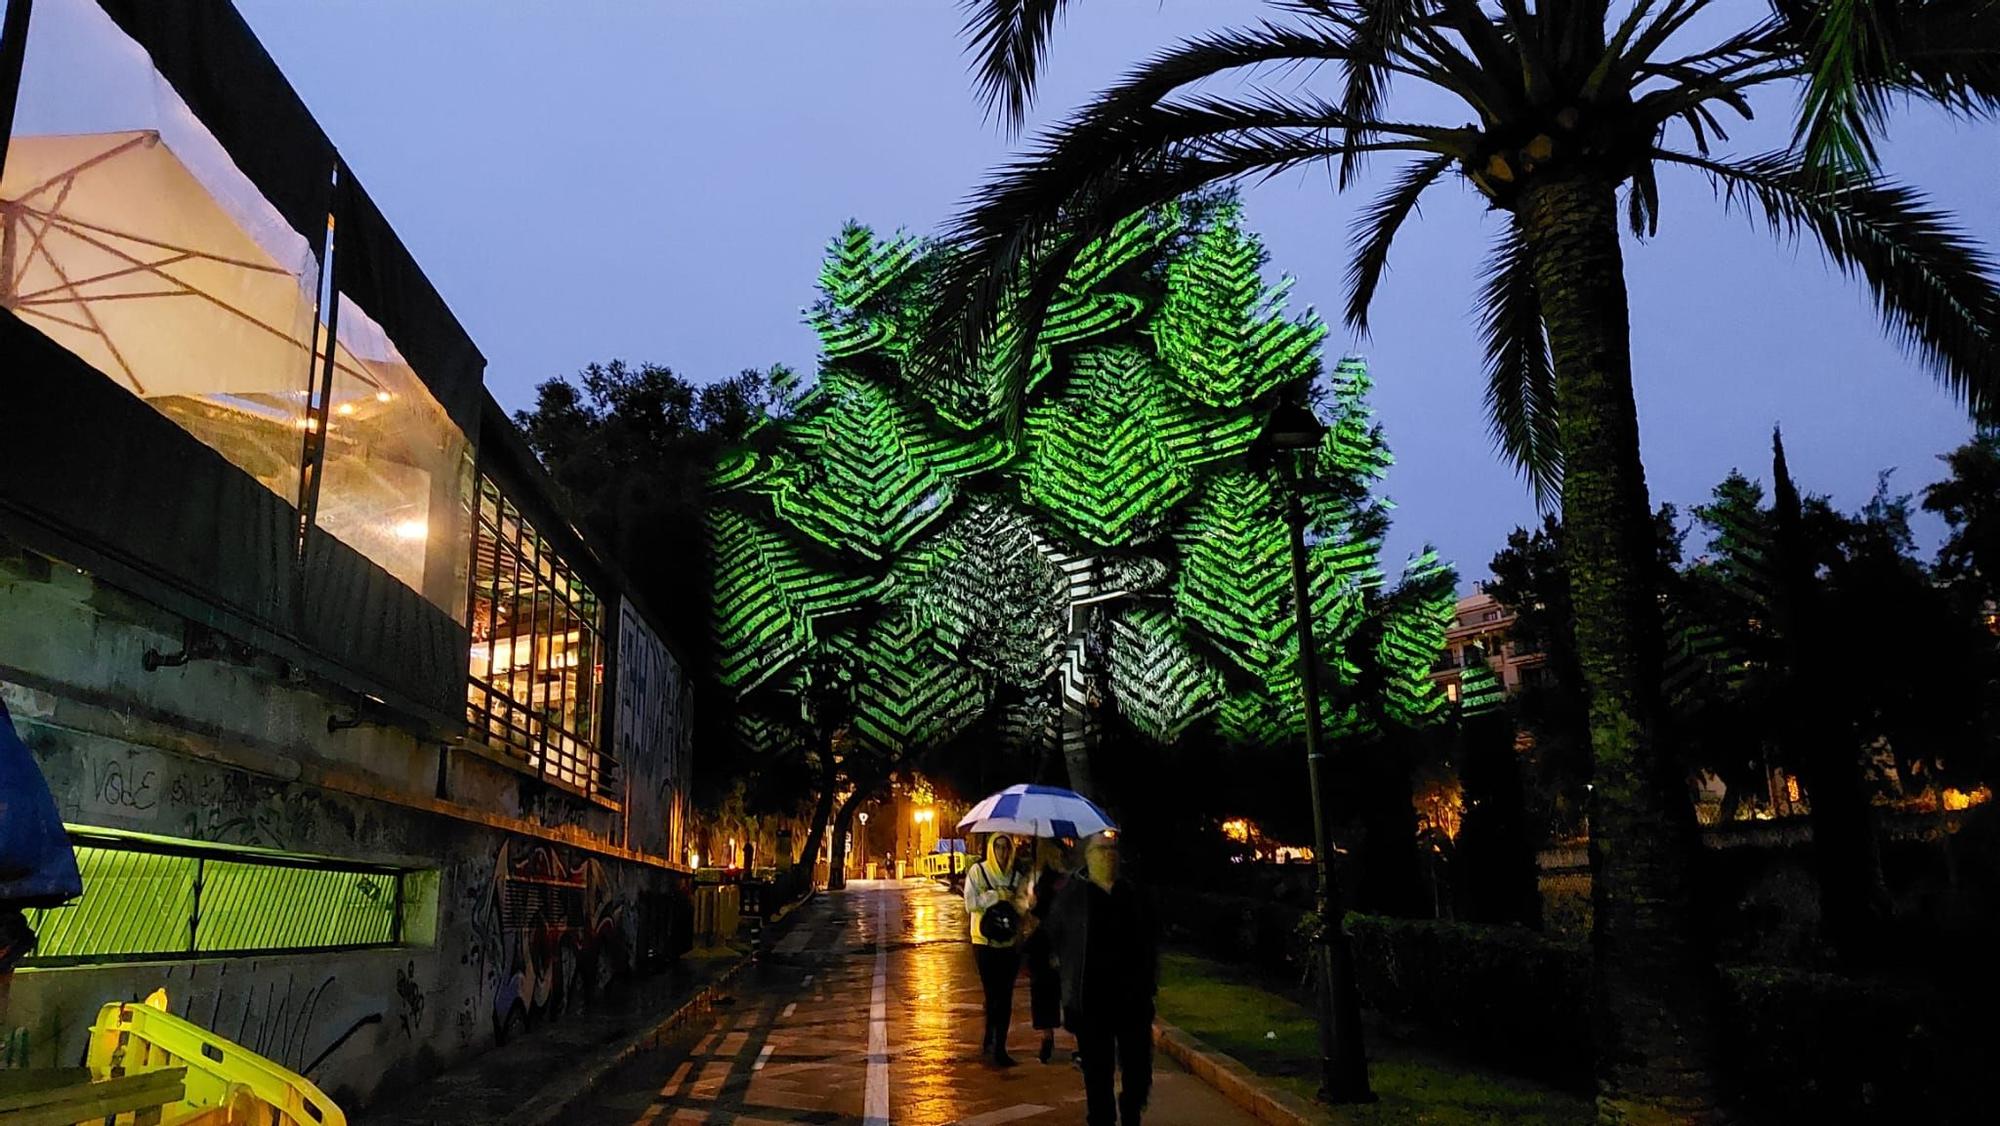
(113, 248)
(1036, 811)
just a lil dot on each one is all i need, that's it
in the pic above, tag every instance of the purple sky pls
(656, 182)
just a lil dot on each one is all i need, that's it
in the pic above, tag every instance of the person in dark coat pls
(1044, 980)
(1106, 940)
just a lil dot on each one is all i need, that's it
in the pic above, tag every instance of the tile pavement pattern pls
(794, 1045)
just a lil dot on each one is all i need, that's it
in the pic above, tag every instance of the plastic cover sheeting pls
(129, 236)
(396, 482)
(373, 269)
(211, 57)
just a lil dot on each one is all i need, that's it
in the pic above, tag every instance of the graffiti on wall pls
(555, 934)
(100, 782)
(652, 736)
(298, 1021)
(410, 997)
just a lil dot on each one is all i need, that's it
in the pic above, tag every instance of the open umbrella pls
(1036, 811)
(113, 247)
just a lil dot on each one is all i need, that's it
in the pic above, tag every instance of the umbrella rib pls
(188, 252)
(41, 300)
(70, 174)
(90, 315)
(48, 316)
(112, 276)
(41, 234)
(192, 292)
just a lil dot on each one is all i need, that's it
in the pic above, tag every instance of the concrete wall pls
(236, 750)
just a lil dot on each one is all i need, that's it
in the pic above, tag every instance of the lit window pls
(537, 650)
(148, 898)
(1451, 692)
(397, 479)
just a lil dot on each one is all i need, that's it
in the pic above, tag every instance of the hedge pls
(1504, 995)
(1800, 1046)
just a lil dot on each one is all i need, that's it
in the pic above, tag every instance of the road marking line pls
(876, 1102)
(789, 1010)
(762, 1058)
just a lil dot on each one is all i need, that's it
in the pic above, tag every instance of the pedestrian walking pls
(995, 897)
(1106, 943)
(1051, 872)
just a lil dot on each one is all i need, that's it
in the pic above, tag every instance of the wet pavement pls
(868, 1010)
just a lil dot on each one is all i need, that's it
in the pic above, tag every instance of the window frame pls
(520, 731)
(202, 853)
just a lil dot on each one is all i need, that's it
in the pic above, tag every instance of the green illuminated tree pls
(1115, 552)
(1570, 102)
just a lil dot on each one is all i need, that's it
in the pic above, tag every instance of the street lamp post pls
(1293, 432)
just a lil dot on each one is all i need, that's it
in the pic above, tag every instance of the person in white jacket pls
(991, 883)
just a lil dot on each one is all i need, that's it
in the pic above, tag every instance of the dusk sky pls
(656, 182)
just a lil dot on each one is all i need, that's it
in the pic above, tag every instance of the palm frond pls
(1933, 286)
(1009, 42)
(1025, 225)
(1376, 229)
(1950, 52)
(1520, 383)
(1376, 32)
(1858, 54)
(1845, 45)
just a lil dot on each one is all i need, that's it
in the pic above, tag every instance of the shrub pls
(1234, 929)
(1505, 995)
(1800, 1046)
(1817, 1047)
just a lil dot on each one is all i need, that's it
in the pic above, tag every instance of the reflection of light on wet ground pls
(794, 1046)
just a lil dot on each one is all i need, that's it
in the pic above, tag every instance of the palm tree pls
(1571, 101)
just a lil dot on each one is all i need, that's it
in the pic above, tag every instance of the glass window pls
(129, 237)
(396, 480)
(153, 898)
(535, 689)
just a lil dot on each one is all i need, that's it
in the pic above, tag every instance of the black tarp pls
(13, 50)
(362, 618)
(215, 63)
(373, 268)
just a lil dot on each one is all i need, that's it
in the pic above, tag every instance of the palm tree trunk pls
(1655, 989)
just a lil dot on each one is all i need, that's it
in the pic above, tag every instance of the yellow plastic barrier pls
(227, 1085)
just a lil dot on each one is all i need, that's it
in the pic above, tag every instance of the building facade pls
(369, 758)
(1481, 630)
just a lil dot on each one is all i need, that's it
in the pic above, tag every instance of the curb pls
(1234, 1081)
(556, 1097)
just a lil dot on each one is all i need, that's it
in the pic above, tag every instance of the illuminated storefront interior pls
(536, 688)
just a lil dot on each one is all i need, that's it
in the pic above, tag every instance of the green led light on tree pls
(900, 524)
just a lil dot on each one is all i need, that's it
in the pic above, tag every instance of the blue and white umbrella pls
(1036, 811)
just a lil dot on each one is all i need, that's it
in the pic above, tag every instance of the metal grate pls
(152, 900)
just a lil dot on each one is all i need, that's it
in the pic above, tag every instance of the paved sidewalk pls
(496, 1084)
(868, 1011)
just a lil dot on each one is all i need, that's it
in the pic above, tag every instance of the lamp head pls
(1291, 428)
